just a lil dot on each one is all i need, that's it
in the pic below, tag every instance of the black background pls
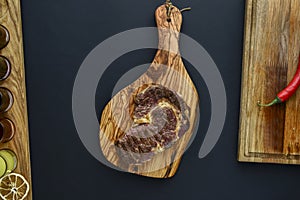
(58, 35)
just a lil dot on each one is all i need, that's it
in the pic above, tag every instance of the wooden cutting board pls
(271, 51)
(10, 17)
(168, 71)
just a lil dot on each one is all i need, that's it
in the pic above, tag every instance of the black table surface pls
(58, 35)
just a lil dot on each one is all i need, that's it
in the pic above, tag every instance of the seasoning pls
(7, 130)
(4, 37)
(6, 99)
(291, 89)
(4, 68)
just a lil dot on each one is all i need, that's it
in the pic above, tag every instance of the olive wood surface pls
(10, 17)
(167, 70)
(271, 52)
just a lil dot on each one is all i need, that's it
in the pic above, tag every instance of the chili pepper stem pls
(277, 100)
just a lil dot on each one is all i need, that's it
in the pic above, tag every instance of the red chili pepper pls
(285, 94)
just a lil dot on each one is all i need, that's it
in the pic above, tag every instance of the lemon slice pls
(3, 166)
(10, 159)
(13, 187)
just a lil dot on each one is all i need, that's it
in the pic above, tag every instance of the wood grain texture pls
(10, 17)
(167, 70)
(271, 50)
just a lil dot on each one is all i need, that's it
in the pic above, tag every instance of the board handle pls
(168, 16)
(169, 21)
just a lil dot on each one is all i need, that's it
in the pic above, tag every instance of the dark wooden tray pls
(10, 17)
(271, 52)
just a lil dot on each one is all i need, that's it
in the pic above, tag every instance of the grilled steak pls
(161, 118)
